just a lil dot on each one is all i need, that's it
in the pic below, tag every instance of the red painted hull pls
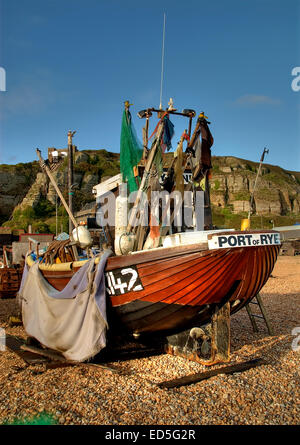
(181, 285)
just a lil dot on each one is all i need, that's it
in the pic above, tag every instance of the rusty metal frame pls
(219, 339)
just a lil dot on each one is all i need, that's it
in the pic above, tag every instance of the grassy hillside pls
(92, 166)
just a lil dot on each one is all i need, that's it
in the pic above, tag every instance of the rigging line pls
(162, 62)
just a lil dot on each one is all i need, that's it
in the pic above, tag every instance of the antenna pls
(162, 62)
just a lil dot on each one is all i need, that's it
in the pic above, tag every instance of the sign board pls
(227, 241)
(121, 281)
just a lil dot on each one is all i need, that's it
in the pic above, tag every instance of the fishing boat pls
(160, 279)
(167, 288)
(170, 289)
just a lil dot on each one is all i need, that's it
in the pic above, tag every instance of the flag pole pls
(258, 172)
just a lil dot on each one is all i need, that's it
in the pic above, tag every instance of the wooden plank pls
(194, 378)
(241, 232)
(14, 345)
(33, 355)
(145, 175)
(44, 352)
(61, 364)
(98, 365)
(195, 284)
(108, 185)
(154, 254)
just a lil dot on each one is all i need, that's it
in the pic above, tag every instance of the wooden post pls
(258, 172)
(5, 258)
(146, 134)
(70, 177)
(145, 175)
(194, 378)
(190, 126)
(56, 232)
(194, 135)
(47, 170)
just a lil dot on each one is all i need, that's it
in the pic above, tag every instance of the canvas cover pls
(72, 321)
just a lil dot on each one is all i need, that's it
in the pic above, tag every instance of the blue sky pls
(70, 64)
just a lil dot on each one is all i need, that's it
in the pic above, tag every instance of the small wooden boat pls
(169, 289)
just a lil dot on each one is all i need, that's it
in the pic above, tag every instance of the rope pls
(59, 250)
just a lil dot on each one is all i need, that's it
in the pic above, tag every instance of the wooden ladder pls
(263, 315)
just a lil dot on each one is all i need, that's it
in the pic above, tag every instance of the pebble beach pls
(86, 395)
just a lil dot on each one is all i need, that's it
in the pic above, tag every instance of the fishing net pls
(130, 153)
(168, 133)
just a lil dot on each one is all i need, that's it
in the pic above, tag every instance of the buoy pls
(82, 236)
(123, 241)
(126, 243)
(245, 224)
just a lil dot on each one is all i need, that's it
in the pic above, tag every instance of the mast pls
(162, 62)
(70, 177)
(45, 167)
(258, 172)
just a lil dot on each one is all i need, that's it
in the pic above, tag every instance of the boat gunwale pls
(145, 256)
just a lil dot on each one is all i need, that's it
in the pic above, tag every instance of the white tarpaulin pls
(72, 321)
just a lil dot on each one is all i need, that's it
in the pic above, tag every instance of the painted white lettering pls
(133, 278)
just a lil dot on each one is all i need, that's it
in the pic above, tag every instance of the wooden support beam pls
(194, 378)
(44, 352)
(47, 170)
(145, 175)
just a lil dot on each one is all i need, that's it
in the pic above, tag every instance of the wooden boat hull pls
(172, 289)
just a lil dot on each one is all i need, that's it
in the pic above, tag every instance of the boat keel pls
(197, 344)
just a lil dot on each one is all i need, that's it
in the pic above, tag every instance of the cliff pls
(277, 190)
(26, 194)
(15, 182)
